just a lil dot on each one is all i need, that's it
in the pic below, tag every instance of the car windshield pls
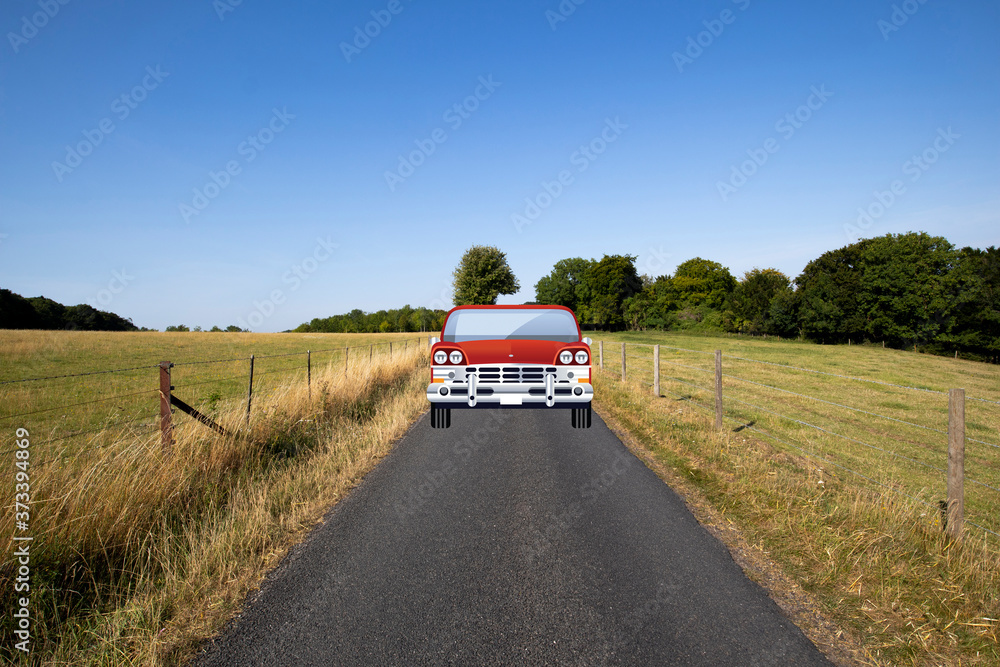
(511, 324)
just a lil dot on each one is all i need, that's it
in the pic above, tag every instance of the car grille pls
(511, 374)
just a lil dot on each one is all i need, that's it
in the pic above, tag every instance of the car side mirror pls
(587, 340)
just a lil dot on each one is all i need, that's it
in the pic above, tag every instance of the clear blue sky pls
(327, 123)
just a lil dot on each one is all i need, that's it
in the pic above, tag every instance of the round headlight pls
(455, 357)
(565, 357)
(581, 357)
(440, 357)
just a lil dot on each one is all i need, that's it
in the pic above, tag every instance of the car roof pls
(509, 306)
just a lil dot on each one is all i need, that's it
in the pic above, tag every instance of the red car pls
(510, 357)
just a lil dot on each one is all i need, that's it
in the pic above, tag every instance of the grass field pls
(894, 436)
(138, 551)
(211, 373)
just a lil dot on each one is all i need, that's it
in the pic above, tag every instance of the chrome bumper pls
(552, 387)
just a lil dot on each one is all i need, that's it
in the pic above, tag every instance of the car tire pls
(440, 417)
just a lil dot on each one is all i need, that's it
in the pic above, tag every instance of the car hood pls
(479, 352)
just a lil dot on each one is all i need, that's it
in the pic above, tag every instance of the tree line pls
(382, 321)
(38, 312)
(902, 290)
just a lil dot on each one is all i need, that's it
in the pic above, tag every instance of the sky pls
(218, 162)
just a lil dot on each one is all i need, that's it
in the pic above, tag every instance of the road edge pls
(796, 604)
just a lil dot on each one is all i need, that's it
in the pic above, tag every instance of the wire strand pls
(845, 437)
(77, 375)
(75, 405)
(820, 400)
(846, 377)
(848, 407)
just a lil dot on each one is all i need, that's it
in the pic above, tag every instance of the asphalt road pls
(511, 539)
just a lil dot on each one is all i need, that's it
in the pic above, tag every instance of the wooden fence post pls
(309, 373)
(370, 348)
(347, 358)
(956, 462)
(718, 389)
(390, 349)
(656, 370)
(600, 352)
(623, 362)
(166, 425)
(250, 390)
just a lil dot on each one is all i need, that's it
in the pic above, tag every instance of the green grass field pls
(895, 436)
(211, 372)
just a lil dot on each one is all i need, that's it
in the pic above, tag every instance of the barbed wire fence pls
(935, 447)
(74, 414)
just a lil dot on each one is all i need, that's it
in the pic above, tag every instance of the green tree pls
(655, 307)
(827, 295)
(977, 308)
(700, 281)
(482, 275)
(51, 313)
(403, 318)
(752, 298)
(907, 288)
(564, 285)
(16, 312)
(608, 284)
(783, 315)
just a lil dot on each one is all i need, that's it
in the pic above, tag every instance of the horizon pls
(188, 164)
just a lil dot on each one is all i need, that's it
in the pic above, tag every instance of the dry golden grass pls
(56, 409)
(902, 592)
(140, 553)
